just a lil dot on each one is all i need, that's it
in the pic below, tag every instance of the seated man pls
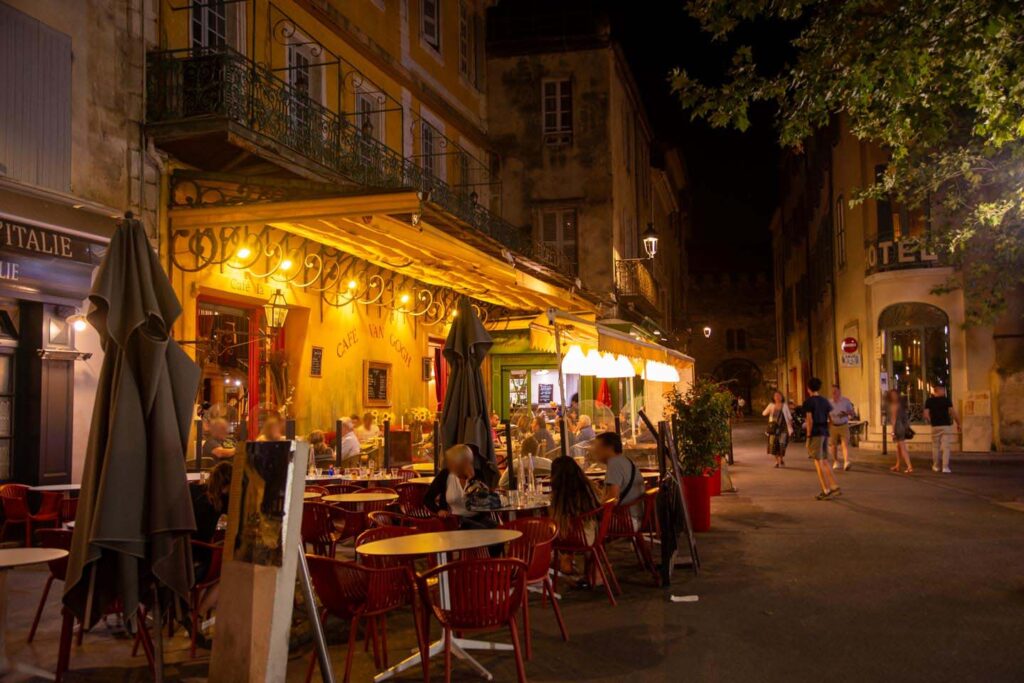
(219, 445)
(348, 445)
(622, 478)
(543, 436)
(585, 429)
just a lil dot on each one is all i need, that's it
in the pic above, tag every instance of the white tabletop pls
(420, 480)
(20, 557)
(58, 487)
(438, 542)
(360, 498)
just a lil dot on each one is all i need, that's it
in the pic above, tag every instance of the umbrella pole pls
(632, 411)
(561, 383)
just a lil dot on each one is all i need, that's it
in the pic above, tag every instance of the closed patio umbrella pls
(134, 515)
(465, 418)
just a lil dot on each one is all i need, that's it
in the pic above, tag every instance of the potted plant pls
(700, 429)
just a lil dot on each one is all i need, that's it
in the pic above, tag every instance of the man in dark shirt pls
(940, 413)
(816, 411)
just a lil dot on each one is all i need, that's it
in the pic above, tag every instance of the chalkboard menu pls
(316, 364)
(545, 392)
(376, 384)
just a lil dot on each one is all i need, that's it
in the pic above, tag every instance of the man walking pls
(940, 413)
(839, 431)
(816, 410)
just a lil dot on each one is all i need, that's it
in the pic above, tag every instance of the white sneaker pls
(935, 468)
(946, 470)
(835, 465)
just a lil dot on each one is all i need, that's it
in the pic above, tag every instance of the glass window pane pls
(6, 374)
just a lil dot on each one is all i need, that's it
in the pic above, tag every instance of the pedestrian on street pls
(741, 407)
(899, 418)
(839, 431)
(780, 427)
(816, 409)
(940, 413)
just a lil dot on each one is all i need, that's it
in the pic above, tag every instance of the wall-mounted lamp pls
(707, 332)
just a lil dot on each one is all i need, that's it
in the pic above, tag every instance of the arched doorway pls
(740, 376)
(915, 352)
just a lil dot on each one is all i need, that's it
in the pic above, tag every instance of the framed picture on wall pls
(376, 384)
(427, 371)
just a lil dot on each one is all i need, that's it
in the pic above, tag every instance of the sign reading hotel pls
(899, 253)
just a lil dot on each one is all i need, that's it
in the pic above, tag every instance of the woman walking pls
(780, 427)
(899, 418)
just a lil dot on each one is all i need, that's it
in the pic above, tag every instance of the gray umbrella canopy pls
(464, 418)
(134, 515)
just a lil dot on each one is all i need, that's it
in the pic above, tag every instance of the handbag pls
(909, 433)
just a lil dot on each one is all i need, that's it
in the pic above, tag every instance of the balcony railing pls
(220, 84)
(633, 279)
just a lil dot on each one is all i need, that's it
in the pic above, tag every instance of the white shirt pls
(773, 416)
(364, 434)
(455, 495)
(349, 446)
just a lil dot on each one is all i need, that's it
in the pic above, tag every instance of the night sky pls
(733, 176)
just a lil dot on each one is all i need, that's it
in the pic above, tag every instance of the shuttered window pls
(35, 101)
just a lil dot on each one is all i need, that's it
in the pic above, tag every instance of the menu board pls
(545, 393)
(316, 363)
(376, 384)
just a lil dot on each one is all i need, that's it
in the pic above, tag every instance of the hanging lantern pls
(574, 362)
(650, 239)
(276, 310)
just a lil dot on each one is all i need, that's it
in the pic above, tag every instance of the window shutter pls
(35, 109)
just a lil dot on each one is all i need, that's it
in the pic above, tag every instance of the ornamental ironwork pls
(339, 278)
(221, 84)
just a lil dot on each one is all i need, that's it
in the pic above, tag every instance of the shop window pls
(430, 23)
(558, 232)
(916, 352)
(556, 111)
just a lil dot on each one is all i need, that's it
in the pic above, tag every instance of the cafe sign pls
(899, 254)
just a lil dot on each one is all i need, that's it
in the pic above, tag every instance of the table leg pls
(6, 665)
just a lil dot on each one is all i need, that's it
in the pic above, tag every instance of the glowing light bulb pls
(243, 253)
(79, 325)
(404, 298)
(352, 284)
(286, 264)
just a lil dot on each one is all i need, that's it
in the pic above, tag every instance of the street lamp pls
(650, 239)
(707, 332)
(276, 310)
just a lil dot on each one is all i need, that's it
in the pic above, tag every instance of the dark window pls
(735, 340)
(431, 23)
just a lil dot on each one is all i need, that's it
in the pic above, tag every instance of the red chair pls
(379, 489)
(574, 540)
(410, 499)
(354, 592)
(388, 518)
(211, 579)
(319, 529)
(380, 533)
(51, 538)
(16, 510)
(320, 490)
(484, 594)
(68, 509)
(631, 522)
(338, 489)
(534, 549)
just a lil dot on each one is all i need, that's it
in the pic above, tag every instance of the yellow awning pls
(579, 330)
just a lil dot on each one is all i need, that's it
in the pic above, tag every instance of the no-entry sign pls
(849, 345)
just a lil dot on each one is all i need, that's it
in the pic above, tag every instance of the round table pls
(371, 480)
(420, 480)
(427, 467)
(440, 544)
(522, 506)
(9, 559)
(311, 495)
(58, 487)
(359, 499)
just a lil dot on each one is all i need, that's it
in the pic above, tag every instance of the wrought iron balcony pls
(634, 281)
(206, 86)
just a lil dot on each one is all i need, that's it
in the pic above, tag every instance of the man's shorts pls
(837, 433)
(816, 448)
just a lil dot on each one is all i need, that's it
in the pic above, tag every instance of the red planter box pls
(698, 501)
(716, 477)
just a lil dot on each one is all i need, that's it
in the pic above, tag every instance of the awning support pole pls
(632, 411)
(561, 382)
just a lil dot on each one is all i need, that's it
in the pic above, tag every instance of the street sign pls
(883, 381)
(850, 360)
(849, 345)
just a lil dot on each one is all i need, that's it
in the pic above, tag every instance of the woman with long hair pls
(323, 455)
(572, 495)
(899, 419)
(780, 427)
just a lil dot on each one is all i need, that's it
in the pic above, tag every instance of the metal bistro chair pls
(338, 489)
(574, 540)
(51, 538)
(534, 548)
(16, 511)
(484, 595)
(410, 499)
(353, 592)
(627, 524)
(209, 580)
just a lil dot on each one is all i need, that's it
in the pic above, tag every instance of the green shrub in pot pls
(700, 425)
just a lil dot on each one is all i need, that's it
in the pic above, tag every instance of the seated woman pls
(585, 431)
(572, 495)
(446, 495)
(322, 453)
(209, 502)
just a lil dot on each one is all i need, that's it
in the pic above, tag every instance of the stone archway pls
(742, 377)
